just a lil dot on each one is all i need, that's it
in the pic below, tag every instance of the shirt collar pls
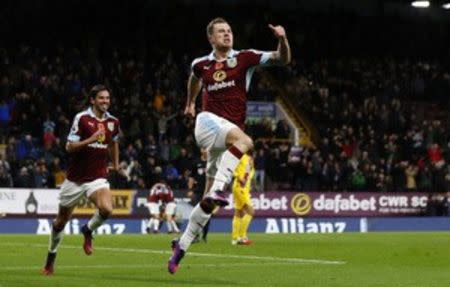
(92, 114)
(230, 54)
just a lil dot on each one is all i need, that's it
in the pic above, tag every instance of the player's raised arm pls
(193, 89)
(283, 53)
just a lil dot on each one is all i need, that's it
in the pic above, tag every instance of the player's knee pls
(239, 139)
(247, 143)
(207, 206)
(105, 212)
(248, 209)
(59, 224)
(239, 212)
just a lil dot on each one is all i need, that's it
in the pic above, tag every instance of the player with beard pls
(93, 137)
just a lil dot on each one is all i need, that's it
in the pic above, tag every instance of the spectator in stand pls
(26, 148)
(158, 101)
(5, 116)
(42, 177)
(172, 175)
(163, 119)
(5, 177)
(4, 163)
(24, 178)
(49, 132)
(135, 172)
(59, 174)
(411, 173)
(260, 168)
(184, 161)
(283, 130)
(359, 180)
(435, 153)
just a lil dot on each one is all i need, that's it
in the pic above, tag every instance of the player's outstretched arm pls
(193, 89)
(283, 53)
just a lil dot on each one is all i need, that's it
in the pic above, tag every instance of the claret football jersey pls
(91, 162)
(226, 83)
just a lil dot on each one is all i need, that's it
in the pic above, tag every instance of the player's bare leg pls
(197, 220)
(238, 143)
(156, 223)
(172, 226)
(102, 198)
(200, 215)
(149, 225)
(153, 224)
(56, 235)
(168, 220)
(169, 217)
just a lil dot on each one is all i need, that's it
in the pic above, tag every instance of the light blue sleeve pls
(74, 134)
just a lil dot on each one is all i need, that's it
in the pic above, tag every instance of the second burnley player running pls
(224, 75)
(93, 136)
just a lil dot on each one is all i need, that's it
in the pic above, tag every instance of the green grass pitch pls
(315, 260)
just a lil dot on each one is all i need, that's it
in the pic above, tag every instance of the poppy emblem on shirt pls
(219, 76)
(232, 62)
(218, 66)
(110, 126)
(101, 138)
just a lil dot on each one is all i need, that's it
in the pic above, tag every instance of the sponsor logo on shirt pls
(222, 85)
(98, 145)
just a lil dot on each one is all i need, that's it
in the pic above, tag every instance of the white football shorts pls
(153, 208)
(210, 134)
(72, 192)
(170, 208)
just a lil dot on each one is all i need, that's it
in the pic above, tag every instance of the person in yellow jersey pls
(243, 209)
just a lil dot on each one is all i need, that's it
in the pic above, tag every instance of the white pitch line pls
(158, 266)
(196, 254)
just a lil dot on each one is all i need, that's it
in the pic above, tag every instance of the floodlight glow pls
(420, 4)
(446, 5)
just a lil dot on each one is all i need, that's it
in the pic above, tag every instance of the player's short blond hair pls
(210, 27)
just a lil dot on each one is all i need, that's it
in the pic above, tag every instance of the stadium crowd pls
(373, 135)
(376, 126)
(375, 131)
